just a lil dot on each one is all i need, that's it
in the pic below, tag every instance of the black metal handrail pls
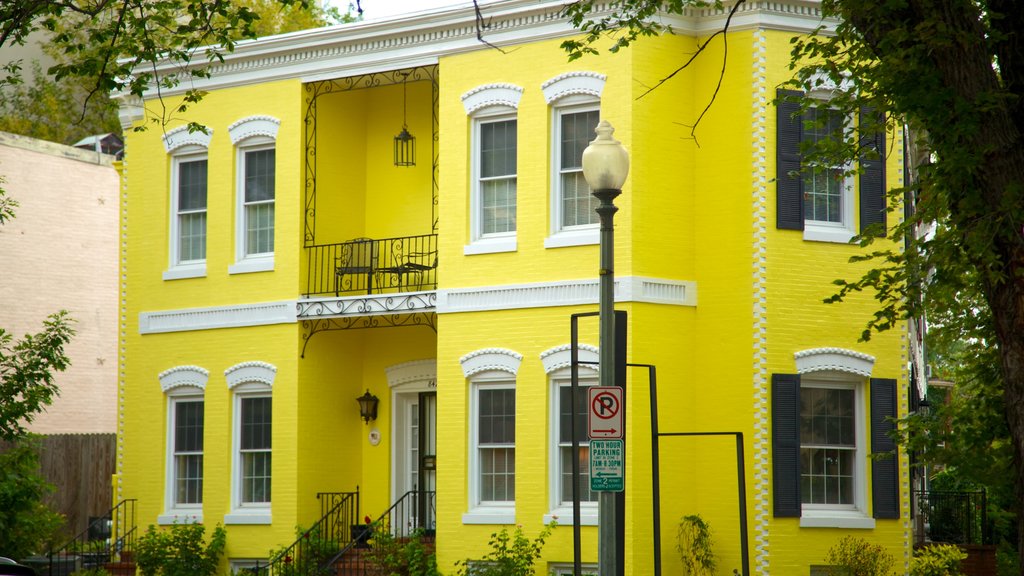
(950, 517)
(307, 555)
(414, 513)
(107, 539)
(372, 266)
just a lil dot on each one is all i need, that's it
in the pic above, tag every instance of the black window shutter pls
(789, 194)
(872, 178)
(786, 445)
(884, 469)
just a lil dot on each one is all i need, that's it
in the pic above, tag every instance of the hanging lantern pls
(405, 143)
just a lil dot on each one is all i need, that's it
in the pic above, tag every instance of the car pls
(9, 567)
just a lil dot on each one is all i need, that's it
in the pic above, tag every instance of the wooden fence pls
(80, 467)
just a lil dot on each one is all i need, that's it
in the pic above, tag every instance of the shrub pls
(511, 554)
(312, 550)
(937, 560)
(391, 557)
(858, 557)
(27, 525)
(180, 550)
(694, 543)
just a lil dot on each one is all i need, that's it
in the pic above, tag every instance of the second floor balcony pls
(372, 266)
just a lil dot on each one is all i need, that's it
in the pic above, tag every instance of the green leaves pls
(27, 368)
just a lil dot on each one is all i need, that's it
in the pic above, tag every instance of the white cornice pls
(489, 359)
(833, 360)
(565, 293)
(234, 316)
(180, 376)
(252, 371)
(422, 38)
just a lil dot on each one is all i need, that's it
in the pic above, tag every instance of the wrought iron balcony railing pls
(951, 517)
(372, 266)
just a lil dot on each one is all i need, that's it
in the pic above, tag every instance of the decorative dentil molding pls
(573, 83)
(181, 136)
(565, 293)
(834, 359)
(492, 95)
(234, 316)
(253, 371)
(560, 357)
(191, 376)
(253, 126)
(414, 371)
(487, 359)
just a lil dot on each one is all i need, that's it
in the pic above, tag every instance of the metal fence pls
(951, 517)
(372, 266)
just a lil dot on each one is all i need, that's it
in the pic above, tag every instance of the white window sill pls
(252, 264)
(248, 517)
(565, 238)
(818, 233)
(180, 517)
(490, 515)
(564, 517)
(836, 519)
(491, 246)
(186, 271)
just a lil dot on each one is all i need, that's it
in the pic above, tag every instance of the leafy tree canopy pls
(949, 75)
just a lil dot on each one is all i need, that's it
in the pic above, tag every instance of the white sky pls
(374, 9)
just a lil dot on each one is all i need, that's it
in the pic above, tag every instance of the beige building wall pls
(60, 252)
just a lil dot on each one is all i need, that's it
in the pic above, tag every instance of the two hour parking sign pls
(605, 423)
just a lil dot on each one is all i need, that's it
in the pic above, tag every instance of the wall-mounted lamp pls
(368, 406)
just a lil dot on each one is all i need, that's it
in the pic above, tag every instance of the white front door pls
(415, 446)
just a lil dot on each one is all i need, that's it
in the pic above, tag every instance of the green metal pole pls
(607, 535)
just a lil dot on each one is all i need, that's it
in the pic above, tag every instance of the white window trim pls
(560, 511)
(250, 135)
(563, 236)
(177, 270)
(566, 568)
(836, 232)
(485, 512)
(181, 383)
(843, 516)
(494, 242)
(247, 380)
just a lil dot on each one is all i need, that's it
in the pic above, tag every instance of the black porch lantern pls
(405, 143)
(368, 406)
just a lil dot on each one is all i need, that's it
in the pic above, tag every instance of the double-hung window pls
(188, 222)
(184, 387)
(188, 193)
(496, 443)
(823, 200)
(496, 181)
(254, 449)
(252, 463)
(563, 454)
(255, 193)
(494, 151)
(188, 451)
(820, 429)
(828, 445)
(575, 101)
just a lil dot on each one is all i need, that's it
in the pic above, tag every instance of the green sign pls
(607, 469)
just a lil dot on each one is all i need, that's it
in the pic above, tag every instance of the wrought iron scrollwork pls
(414, 309)
(314, 90)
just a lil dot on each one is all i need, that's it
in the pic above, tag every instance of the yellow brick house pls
(393, 209)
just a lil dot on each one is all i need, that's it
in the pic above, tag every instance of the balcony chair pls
(356, 266)
(420, 264)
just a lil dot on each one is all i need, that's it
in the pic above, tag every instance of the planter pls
(361, 535)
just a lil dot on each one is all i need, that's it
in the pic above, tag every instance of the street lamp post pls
(605, 166)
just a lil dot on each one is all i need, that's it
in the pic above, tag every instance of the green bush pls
(27, 525)
(937, 560)
(312, 552)
(511, 554)
(181, 550)
(694, 543)
(390, 556)
(858, 557)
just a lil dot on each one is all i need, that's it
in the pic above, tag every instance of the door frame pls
(406, 381)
